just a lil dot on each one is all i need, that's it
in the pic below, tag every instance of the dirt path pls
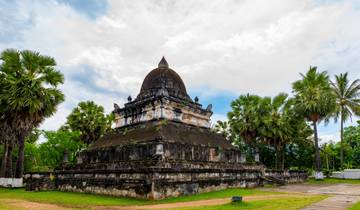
(210, 202)
(342, 197)
(29, 205)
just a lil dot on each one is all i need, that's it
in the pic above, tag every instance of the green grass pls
(355, 207)
(4, 207)
(83, 200)
(67, 198)
(273, 204)
(218, 194)
(333, 181)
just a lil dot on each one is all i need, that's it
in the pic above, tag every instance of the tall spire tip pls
(163, 63)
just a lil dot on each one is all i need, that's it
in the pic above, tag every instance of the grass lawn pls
(333, 181)
(67, 198)
(83, 200)
(4, 207)
(355, 207)
(218, 194)
(274, 204)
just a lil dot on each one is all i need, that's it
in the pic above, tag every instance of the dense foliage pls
(266, 125)
(90, 120)
(50, 154)
(331, 152)
(279, 128)
(28, 94)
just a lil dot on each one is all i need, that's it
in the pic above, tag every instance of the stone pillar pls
(66, 157)
(242, 158)
(257, 157)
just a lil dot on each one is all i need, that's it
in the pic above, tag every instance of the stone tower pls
(162, 146)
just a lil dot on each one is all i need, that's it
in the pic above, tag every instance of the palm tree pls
(246, 122)
(7, 139)
(246, 117)
(347, 104)
(31, 83)
(276, 129)
(90, 119)
(315, 100)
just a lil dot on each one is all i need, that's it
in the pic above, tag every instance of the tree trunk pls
(9, 168)
(282, 157)
(341, 140)
(327, 161)
(20, 161)
(317, 151)
(277, 157)
(4, 160)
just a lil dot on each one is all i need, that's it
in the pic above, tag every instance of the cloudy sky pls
(220, 48)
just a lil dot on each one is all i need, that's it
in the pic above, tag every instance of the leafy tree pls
(32, 157)
(267, 124)
(315, 101)
(300, 153)
(30, 93)
(90, 120)
(352, 142)
(33, 136)
(58, 142)
(347, 103)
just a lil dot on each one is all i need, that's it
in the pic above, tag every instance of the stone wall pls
(163, 108)
(40, 181)
(347, 174)
(11, 182)
(289, 176)
(158, 182)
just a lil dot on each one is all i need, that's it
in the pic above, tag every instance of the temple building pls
(162, 146)
(163, 96)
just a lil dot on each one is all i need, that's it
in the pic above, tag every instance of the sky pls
(220, 48)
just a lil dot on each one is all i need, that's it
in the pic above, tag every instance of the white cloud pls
(327, 137)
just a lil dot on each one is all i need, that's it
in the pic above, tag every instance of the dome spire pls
(163, 63)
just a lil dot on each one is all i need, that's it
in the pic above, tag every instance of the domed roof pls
(163, 81)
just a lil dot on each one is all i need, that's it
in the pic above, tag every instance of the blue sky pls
(221, 49)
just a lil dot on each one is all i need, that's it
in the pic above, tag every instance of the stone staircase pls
(273, 180)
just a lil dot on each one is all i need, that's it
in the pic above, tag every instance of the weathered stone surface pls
(162, 147)
(40, 181)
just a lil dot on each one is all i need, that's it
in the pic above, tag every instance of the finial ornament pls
(209, 108)
(116, 107)
(163, 63)
(129, 98)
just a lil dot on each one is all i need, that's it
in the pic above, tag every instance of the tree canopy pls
(29, 93)
(90, 120)
(314, 100)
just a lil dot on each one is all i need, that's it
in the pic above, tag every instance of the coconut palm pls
(315, 100)
(31, 83)
(347, 103)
